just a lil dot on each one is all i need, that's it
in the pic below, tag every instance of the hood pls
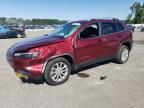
(36, 42)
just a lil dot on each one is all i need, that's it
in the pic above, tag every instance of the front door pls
(89, 44)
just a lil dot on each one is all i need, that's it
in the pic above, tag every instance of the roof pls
(91, 19)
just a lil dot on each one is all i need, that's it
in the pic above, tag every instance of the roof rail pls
(115, 19)
(105, 18)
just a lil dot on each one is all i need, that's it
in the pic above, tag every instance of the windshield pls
(65, 30)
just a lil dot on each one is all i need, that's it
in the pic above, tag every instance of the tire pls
(23, 80)
(19, 36)
(53, 74)
(123, 51)
(23, 36)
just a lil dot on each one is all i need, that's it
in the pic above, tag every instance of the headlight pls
(27, 55)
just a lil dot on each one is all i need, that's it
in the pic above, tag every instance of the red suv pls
(76, 44)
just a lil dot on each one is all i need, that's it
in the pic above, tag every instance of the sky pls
(66, 9)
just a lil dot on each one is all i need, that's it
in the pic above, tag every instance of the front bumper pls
(27, 76)
(26, 69)
(21, 76)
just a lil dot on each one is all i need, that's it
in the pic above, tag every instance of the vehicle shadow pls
(86, 75)
(36, 82)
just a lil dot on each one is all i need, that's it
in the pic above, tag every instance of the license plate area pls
(19, 75)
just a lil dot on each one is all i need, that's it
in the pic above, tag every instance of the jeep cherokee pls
(76, 44)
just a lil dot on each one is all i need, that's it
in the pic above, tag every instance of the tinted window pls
(108, 28)
(90, 31)
(120, 27)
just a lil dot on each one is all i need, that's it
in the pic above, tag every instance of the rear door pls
(109, 35)
(122, 31)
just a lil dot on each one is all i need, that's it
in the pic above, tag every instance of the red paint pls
(80, 50)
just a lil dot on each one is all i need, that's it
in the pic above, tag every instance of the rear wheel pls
(122, 55)
(57, 71)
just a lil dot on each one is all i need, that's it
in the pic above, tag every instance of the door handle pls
(103, 40)
(119, 36)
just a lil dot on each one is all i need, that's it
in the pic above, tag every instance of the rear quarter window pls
(120, 27)
(108, 28)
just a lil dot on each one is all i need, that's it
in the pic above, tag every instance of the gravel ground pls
(122, 88)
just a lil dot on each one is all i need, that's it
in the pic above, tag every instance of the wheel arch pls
(68, 57)
(128, 44)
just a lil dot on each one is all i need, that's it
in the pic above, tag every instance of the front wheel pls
(19, 36)
(57, 71)
(23, 36)
(122, 55)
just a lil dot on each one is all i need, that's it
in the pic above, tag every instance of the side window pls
(108, 28)
(120, 27)
(90, 31)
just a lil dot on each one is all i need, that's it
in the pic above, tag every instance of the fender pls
(123, 42)
(59, 55)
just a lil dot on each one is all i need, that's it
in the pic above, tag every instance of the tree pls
(143, 13)
(20, 21)
(11, 20)
(47, 21)
(137, 12)
(2, 20)
(27, 21)
(129, 19)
